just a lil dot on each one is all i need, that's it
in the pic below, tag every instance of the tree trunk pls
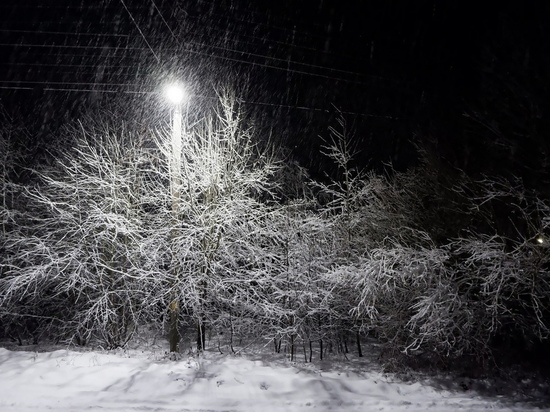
(173, 332)
(231, 335)
(201, 335)
(359, 350)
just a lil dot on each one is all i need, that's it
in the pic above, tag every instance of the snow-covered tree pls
(80, 257)
(17, 324)
(112, 243)
(220, 217)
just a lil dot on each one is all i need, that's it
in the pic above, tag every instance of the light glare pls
(175, 93)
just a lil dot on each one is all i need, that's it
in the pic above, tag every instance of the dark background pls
(467, 84)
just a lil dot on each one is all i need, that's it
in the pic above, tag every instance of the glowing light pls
(540, 240)
(175, 93)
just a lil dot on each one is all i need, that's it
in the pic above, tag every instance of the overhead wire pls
(140, 32)
(163, 19)
(297, 46)
(64, 33)
(148, 92)
(288, 61)
(150, 48)
(69, 46)
(27, 64)
(270, 26)
(189, 16)
(64, 83)
(287, 69)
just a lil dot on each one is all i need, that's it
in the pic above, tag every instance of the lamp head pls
(175, 93)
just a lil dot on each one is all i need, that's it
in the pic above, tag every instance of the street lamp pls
(175, 93)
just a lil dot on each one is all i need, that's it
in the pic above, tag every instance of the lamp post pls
(176, 95)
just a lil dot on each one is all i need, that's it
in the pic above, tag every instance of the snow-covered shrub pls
(509, 288)
(404, 295)
(20, 322)
(80, 256)
(298, 294)
(508, 258)
(474, 295)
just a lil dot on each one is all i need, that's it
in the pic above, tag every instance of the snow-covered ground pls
(64, 380)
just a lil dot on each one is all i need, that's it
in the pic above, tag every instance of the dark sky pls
(468, 84)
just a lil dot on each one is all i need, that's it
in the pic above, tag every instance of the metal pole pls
(176, 157)
(175, 183)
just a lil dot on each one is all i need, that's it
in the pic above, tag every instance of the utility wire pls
(270, 26)
(119, 48)
(304, 108)
(239, 21)
(76, 46)
(142, 35)
(65, 33)
(65, 83)
(294, 45)
(163, 20)
(138, 8)
(286, 69)
(287, 61)
(270, 66)
(101, 65)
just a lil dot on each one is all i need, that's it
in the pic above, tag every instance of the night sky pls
(467, 85)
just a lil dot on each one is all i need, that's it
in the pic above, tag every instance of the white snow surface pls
(121, 381)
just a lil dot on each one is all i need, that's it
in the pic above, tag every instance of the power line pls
(270, 26)
(238, 21)
(315, 109)
(16, 88)
(163, 20)
(171, 32)
(65, 83)
(144, 8)
(62, 46)
(278, 42)
(110, 56)
(84, 90)
(189, 42)
(65, 33)
(140, 32)
(97, 65)
(203, 53)
(75, 46)
(118, 48)
(290, 61)
(293, 45)
(277, 68)
(80, 6)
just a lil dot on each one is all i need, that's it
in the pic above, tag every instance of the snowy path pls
(78, 381)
